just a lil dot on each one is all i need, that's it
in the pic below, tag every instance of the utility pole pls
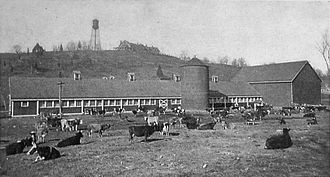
(59, 96)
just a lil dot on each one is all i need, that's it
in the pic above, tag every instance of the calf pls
(64, 124)
(41, 132)
(18, 147)
(142, 130)
(279, 141)
(165, 129)
(152, 120)
(97, 128)
(74, 140)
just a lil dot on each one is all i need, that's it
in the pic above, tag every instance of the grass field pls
(231, 152)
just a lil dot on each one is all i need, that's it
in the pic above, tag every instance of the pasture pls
(231, 152)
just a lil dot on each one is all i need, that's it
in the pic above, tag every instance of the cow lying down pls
(18, 147)
(44, 152)
(74, 140)
(206, 126)
(279, 141)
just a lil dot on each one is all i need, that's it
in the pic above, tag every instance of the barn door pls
(163, 103)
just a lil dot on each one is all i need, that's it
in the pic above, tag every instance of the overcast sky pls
(261, 32)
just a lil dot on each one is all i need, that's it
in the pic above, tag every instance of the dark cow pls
(141, 130)
(282, 121)
(47, 153)
(74, 140)
(18, 147)
(279, 141)
(206, 126)
(97, 128)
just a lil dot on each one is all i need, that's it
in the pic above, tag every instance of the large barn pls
(201, 87)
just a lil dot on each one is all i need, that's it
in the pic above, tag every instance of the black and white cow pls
(74, 140)
(44, 152)
(279, 141)
(18, 147)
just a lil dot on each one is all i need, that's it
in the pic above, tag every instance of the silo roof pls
(194, 62)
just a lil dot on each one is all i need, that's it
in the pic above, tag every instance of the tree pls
(61, 48)
(184, 55)
(234, 62)
(223, 60)
(79, 46)
(18, 50)
(71, 46)
(206, 60)
(242, 62)
(324, 48)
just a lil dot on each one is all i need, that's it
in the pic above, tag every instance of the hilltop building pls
(196, 88)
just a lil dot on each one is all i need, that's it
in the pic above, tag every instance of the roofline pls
(302, 69)
(269, 82)
(92, 98)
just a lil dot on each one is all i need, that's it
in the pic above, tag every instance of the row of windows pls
(117, 102)
(244, 99)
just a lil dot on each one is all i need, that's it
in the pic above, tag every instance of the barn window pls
(131, 77)
(42, 104)
(136, 102)
(99, 102)
(125, 102)
(142, 102)
(56, 104)
(153, 102)
(130, 102)
(215, 79)
(112, 102)
(117, 102)
(173, 101)
(71, 103)
(178, 101)
(78, 103)
(65, 103)
(92, 103)
(49, 104)
(86, 103)
(24, 104)
(147, 102)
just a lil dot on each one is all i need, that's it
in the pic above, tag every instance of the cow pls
(310, 114)
(70, 124)
(311, 121)
(97, 128)
(165, 128)
(18, 147)
(279, 141)
(64, 124)
(282, 121)
(152, 120)
(74, 140)
(141, 130)
(40, 133)
(44, 152)
(206, 126)
(224, 124)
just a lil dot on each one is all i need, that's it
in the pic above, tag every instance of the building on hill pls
(140, 48)
(284, 83)
(196, 90)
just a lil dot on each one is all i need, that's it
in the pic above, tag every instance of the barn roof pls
(34, 87)
(194, 62)
(234, 88)
(280, 72)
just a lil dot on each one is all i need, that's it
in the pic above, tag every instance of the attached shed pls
(284, 83)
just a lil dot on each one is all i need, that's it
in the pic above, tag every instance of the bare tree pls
(18, 50)
(324, 48)
(242, 62)
(223, 60)
(184, 55)
(206, 60)
(71, 46)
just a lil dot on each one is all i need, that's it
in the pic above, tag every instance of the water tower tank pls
(195, 85)
(95, 24)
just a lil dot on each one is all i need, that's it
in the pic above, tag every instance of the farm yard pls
(238, 151)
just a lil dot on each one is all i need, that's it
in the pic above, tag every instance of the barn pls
(201, 87)
(282, 84)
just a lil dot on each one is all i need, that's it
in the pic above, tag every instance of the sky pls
(262, 32)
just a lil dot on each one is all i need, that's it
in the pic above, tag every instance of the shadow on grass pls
(151, 140)
(174, 134)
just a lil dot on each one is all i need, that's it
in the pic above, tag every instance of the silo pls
(195, 85)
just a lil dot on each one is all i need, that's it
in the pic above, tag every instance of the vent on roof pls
(76, 75)
(131, 77)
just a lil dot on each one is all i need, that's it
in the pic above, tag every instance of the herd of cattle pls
(152, 124)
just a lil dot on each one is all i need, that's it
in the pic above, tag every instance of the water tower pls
(195, 86)
(95, 42)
